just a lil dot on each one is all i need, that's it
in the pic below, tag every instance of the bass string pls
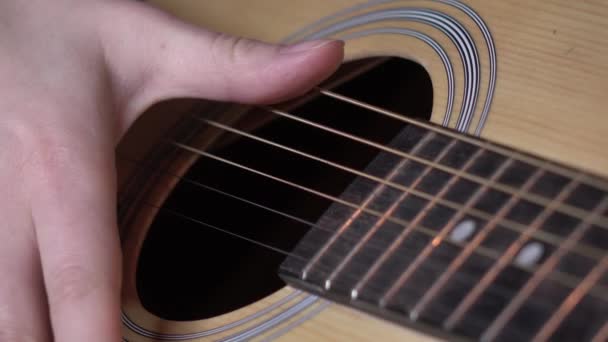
(373, 290)
(567, 280)
(549, 238)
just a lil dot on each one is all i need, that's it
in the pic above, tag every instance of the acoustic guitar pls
(448, 182)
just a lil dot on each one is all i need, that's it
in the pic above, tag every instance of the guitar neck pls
(465, 237)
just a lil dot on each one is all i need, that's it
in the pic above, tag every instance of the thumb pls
(169, 58)
(223, 67)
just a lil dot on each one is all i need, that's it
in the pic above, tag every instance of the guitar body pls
(530, 75)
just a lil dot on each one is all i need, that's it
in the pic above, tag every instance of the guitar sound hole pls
(188, 271)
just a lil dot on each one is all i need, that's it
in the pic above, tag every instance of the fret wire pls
(241, 199)
(220, 229)
(383, 219)
(602, 334)
(541, 273)
(584, 249)
(568, 209)
(174, 175)
(226, 231)
(505, 259)
(565, 279)
(437, 240)
(572, 300)
(365, 204)
(585, 177)
(244, 200)
(475, 243)
(484, 251)
(395, 244)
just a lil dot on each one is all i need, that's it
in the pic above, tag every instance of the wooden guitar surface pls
(531, 75)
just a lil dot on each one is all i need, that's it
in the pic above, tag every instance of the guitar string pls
(348, 236)
(564, 208)
(503, 292)
(568, 304)
(530, 286)
(470, 248)
(549, 238)
(494, 289)
(363, 140)
(602, 334)
(564, 278)
(365, 204)
(471, 319)
(423, 255)
(283, 251)
(388, 212)
(498, 289)
(399, 239)
(559, 169)
(491, 288)
(505, 260)
(577, 176)
(550, 211)
(515, 155)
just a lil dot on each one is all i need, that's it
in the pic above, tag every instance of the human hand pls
(74, 75)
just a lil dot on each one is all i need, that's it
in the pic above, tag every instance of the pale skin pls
(74, 75)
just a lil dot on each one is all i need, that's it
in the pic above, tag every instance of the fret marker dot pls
(530, 254)
(463, 231)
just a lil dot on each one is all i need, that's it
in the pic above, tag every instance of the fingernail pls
(306, 46)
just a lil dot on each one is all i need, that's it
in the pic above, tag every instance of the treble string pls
(552, 239)
(565, 279)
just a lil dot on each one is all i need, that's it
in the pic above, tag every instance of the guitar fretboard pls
(466, 238)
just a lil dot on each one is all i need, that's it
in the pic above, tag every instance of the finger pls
(165, 57)
(75, 222)
(23, 311)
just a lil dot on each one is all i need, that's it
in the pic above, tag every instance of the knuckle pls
(52, 157)
(50, 163)
(71, 283)
(234, 49)
(45, 156)
(33, 143)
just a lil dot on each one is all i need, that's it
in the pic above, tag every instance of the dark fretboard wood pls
(483, 244)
